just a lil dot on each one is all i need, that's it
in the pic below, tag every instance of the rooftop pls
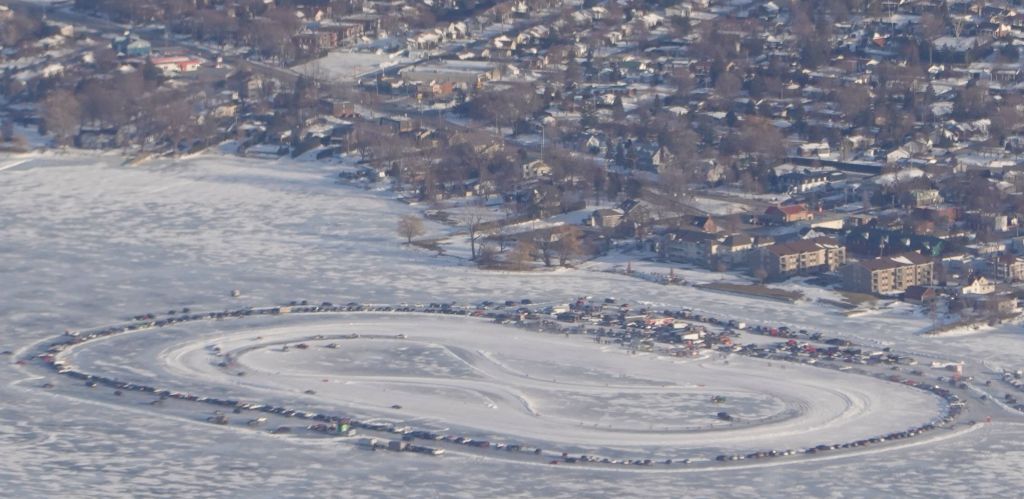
(894, 262)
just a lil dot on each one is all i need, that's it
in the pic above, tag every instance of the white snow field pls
(85, 241)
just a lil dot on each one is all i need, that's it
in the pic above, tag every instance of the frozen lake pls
(85, 241)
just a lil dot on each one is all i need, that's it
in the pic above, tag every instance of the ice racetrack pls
(486, 382)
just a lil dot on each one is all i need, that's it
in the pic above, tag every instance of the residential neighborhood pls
(877, 143)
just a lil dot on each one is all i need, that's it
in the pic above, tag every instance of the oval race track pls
(487, 381)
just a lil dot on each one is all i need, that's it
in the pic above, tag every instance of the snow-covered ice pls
(85, 241)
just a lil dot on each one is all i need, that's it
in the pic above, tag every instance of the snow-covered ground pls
(86, 241)
(716, 206)
(347, 65)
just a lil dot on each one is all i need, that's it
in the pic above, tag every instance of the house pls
(176, 64)
(536, 169)
(338, 109)
(802, 256)
(977, 285)
(369, 23)
(435, 90)
(249, 86)
(814, 149)
(996, 222)
(917, 198)
(888, 275)
(700, 223)
(896, 155)
(997, 304)
(227, 110)
(637, 217)
(919, 294)
(314, 42)
(266, 151)
(131, 46)
(343, 31)
(780, 214)
(399, 125)
(960, 49)
(606, 218)
(803, 181)
(543, 200)
(661, 159)
(593, 145)
(96, 138)
(426, 40)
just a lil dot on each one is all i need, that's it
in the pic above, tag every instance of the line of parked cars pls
(1016, 380)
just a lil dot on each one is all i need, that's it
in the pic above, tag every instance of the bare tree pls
(641, 220)
(506, 106)
(732, 222)
(522, 254)
(7, 130)
(762, 140)
(854, 101)
(760, 273)
(932, 26)
(488, 256)
(545, 242)
(410, 226)
(473, 218)
(569, 246)
(728, 86)
(675, 183)
(62, 115)
(174, 121)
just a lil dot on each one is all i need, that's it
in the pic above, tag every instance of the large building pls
(802, 256)
(1009, 268)
(690, 246)
(889, 274)
(783, 214)
(466, 74)
(709, 249)
(131, 46)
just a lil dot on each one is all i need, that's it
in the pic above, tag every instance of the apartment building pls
(803, 256)
(889, 274)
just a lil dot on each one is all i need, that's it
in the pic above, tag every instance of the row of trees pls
(550, 247)
(266, 27)
(133, 103)
(559, 245)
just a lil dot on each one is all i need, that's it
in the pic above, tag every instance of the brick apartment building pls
(889, 274)
(803, 256)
